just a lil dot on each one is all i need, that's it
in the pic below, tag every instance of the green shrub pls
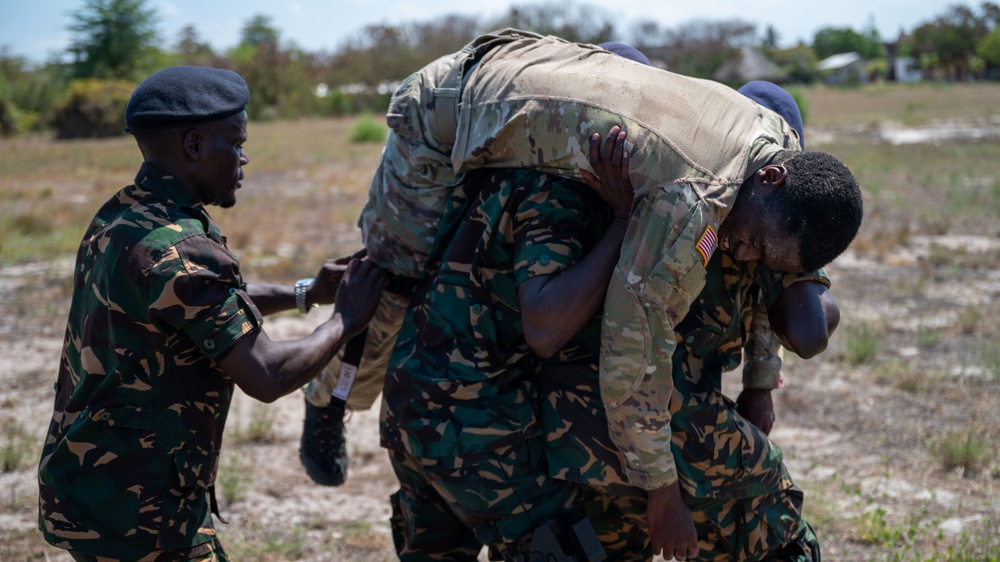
(800, 99)
(8, 121)
(93, 108)
(367, 129)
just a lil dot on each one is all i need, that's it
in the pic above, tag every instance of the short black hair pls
(821, 204)
(157, 142)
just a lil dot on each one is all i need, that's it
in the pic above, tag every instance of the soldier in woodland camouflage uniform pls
(525, 268)
(161, 327)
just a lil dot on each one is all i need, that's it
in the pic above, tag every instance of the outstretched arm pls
(802, 319)
(270, 298)
(267, 370)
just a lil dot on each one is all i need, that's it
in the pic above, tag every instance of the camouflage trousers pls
(207, 552)
(446, 509)
(767, 527)
(618, 514)
(360, 389)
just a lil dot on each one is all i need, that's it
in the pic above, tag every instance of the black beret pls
(185, 94)
(775, 98)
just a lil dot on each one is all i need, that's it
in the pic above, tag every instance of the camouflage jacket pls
(130, 458)
(528, 101)
(460, 379)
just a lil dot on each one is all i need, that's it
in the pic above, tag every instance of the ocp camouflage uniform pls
(732, 477)
(459, 403)
(516, 100)
(129, 462)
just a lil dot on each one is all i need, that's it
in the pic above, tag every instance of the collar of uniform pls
(159, 180)
(163, 184)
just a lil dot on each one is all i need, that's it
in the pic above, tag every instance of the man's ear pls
(772, 175)
(193, 140)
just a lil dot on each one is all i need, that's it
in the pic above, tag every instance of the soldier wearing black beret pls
(162, 327)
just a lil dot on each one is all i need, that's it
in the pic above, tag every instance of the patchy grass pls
(256, 429)
(967, 449)
(17, 447)
(266, 544)
(863, 342)
(913, 105)
(306, 169)
(991, 359)
(235, 477)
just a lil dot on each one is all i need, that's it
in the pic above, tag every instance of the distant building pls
(749, 64)
(844, 69)
(901, 69)
(907, 69)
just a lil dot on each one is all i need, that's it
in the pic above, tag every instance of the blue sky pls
(37, 29)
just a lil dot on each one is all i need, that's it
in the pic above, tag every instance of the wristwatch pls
(301, 286)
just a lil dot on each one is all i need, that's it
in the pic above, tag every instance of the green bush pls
(367, 129)
(93, 108)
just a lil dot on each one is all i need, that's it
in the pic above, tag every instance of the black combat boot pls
(323, 448)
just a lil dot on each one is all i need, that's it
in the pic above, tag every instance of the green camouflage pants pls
(618, 514)
(208, 552)
(578, 449)
(768, 527)
(446, 509)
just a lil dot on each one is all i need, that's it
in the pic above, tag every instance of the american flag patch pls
(706, 244)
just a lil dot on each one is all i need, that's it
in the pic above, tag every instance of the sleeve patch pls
(706, 244)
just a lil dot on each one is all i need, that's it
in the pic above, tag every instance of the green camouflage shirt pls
(130, 458)
(460, 380)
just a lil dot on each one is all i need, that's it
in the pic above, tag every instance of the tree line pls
(115, 44)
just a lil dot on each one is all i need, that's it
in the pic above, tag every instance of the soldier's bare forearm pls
(270, 298)
(556, 307)
(267, 370)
